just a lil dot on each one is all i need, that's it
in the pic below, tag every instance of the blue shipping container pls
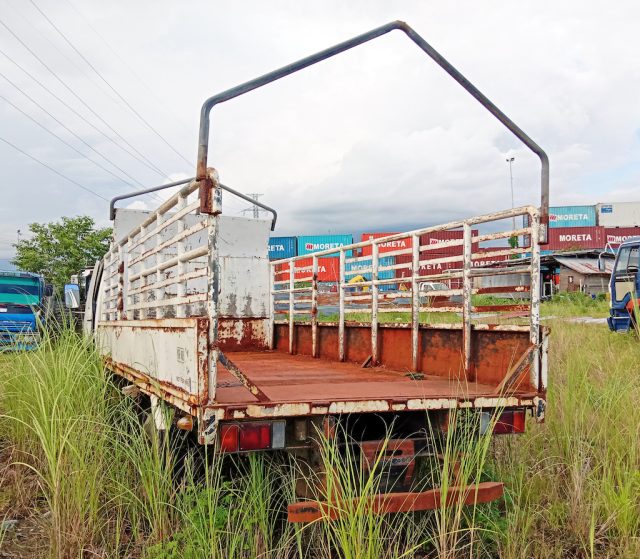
(282, 247)
(363, 268)
(572, 216)
(315, 243)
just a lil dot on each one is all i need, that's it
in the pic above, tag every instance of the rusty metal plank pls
(515, 371)
(385, 503)
(237, 372)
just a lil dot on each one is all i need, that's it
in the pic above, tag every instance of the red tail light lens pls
(255, 436)
(229, 438)
(510, 421)
(249, 435)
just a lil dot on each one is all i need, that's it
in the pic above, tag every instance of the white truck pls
(189, 311)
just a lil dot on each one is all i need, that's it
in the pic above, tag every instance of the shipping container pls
(576, 238)
(328, 270)
(389, 246)
(282, 247)
(479, 260)
(427, 268)
(572, 216)
(363, 268)
(619, 214)
(616, 235)
(309, 244)
(439, 237)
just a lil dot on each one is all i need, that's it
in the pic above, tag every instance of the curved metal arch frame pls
(203, 136)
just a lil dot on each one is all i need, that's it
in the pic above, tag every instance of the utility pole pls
(255, 209)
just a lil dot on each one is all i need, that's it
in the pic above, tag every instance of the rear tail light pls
(240, 437)
(506, 423)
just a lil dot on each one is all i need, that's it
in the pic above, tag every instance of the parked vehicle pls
(437, 293)
(188, 310)
(624, 287)
(23, 305)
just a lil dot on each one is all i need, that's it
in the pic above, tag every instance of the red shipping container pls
(390, 246)
(616, 235)
(479, 261)
(328, 270)
(578, 238)
(438, 237)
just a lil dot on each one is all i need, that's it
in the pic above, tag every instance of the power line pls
(68, 88)
(70, 132)
(51, 168)
(67, 57)
(82, 117)
(131, 108)
(61, 139)
(161, 104)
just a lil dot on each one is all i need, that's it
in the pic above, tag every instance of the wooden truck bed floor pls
(293, 378)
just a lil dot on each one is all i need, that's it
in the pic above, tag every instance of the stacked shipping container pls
(282, 247)
(570, 228)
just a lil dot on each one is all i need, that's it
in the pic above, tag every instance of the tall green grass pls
(105, 489)
(575, 481)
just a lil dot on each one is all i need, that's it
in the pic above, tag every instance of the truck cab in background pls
(23, 307)
(624, 288)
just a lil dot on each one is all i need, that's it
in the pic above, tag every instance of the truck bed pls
(285, 378)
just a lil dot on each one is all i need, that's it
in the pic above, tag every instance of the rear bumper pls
(308, 511)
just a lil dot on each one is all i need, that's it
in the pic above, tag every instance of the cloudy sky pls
(376, 139)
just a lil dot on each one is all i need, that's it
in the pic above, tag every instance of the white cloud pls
(375, 139)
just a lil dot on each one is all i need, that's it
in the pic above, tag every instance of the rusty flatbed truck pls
(187, 307)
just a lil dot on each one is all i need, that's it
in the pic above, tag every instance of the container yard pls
(574, 231)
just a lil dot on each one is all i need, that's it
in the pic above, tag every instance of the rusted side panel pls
(493, 351)
(243, 334)
(170, 352)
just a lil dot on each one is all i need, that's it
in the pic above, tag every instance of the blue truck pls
(23, 304)
(624, 287)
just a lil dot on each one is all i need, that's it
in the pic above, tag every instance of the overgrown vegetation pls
(83, 479)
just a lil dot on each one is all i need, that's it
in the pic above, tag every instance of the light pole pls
(510, 161)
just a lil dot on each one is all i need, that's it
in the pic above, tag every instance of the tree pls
(59, 249)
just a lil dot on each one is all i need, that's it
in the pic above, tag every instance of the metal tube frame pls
(207, 106)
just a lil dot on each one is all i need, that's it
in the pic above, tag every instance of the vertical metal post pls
(535, 297)
(374, 304)
(292, 285)
(144, 280)
(128, 301)
(415, 301)
(120, 284)
(104, 311)
(341, 290)
(181, 288)
(159, 292)
(466, 300)
(272, 305)
(314, 306)
(213, 287)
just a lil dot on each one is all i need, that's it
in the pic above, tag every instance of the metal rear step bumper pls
(385, 503)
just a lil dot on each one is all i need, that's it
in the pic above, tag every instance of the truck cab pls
(22, 305)
(623, 287)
